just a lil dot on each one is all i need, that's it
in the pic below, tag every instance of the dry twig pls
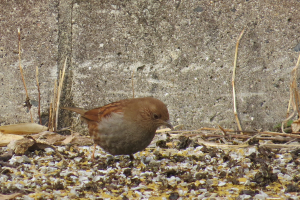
(27, 102)
(222, 129)
(38, 87)
(229, 131)
(233, 79)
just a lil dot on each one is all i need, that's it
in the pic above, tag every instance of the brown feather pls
(97, 114)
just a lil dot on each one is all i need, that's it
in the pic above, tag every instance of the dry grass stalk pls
(61, 81)
(216, 134)
(38, 87)
(27, 102)
(238, 136)
(54, 105)
(52, 109)
(50, 125)
(213, 144)
(251, 138)
(280, 146)
(229, 131)
(222, 129)
(132, 83)
(226, 146)
(294, 96)
(233, 79)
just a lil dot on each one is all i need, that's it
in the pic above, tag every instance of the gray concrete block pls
(38, 23)
(181, 52)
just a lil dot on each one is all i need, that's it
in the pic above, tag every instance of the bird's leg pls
(131, 157)
(131, 161)
(93, 155)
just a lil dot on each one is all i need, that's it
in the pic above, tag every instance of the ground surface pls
(181, 52)
(171, 168)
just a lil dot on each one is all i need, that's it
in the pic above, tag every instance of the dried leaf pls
(68, 139)
(23, 128)
(50, 138)
(21, 146)
(27, 143)
(6, 139)
(83, 141)
(40, 146)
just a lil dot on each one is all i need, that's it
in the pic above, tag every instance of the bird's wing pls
(97, 114)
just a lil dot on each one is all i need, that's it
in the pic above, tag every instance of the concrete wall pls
(180, 52)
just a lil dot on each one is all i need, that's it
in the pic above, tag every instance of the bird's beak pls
(168, 124)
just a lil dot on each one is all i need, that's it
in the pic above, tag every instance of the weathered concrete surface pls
(39, 30)
(180, 52)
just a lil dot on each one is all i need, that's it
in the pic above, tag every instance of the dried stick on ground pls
(38, 87)
(253, 132)
(222, 129)
(27, 102)
(233, 79)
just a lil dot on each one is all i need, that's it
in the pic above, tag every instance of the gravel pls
(190, 171)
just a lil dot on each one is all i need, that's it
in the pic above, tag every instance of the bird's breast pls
(117, 135)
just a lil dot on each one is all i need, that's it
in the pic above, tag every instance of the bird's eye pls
(155, 116)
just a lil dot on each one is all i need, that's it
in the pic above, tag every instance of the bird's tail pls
(74, 109)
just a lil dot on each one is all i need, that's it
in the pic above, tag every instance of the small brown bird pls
(126, 126)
